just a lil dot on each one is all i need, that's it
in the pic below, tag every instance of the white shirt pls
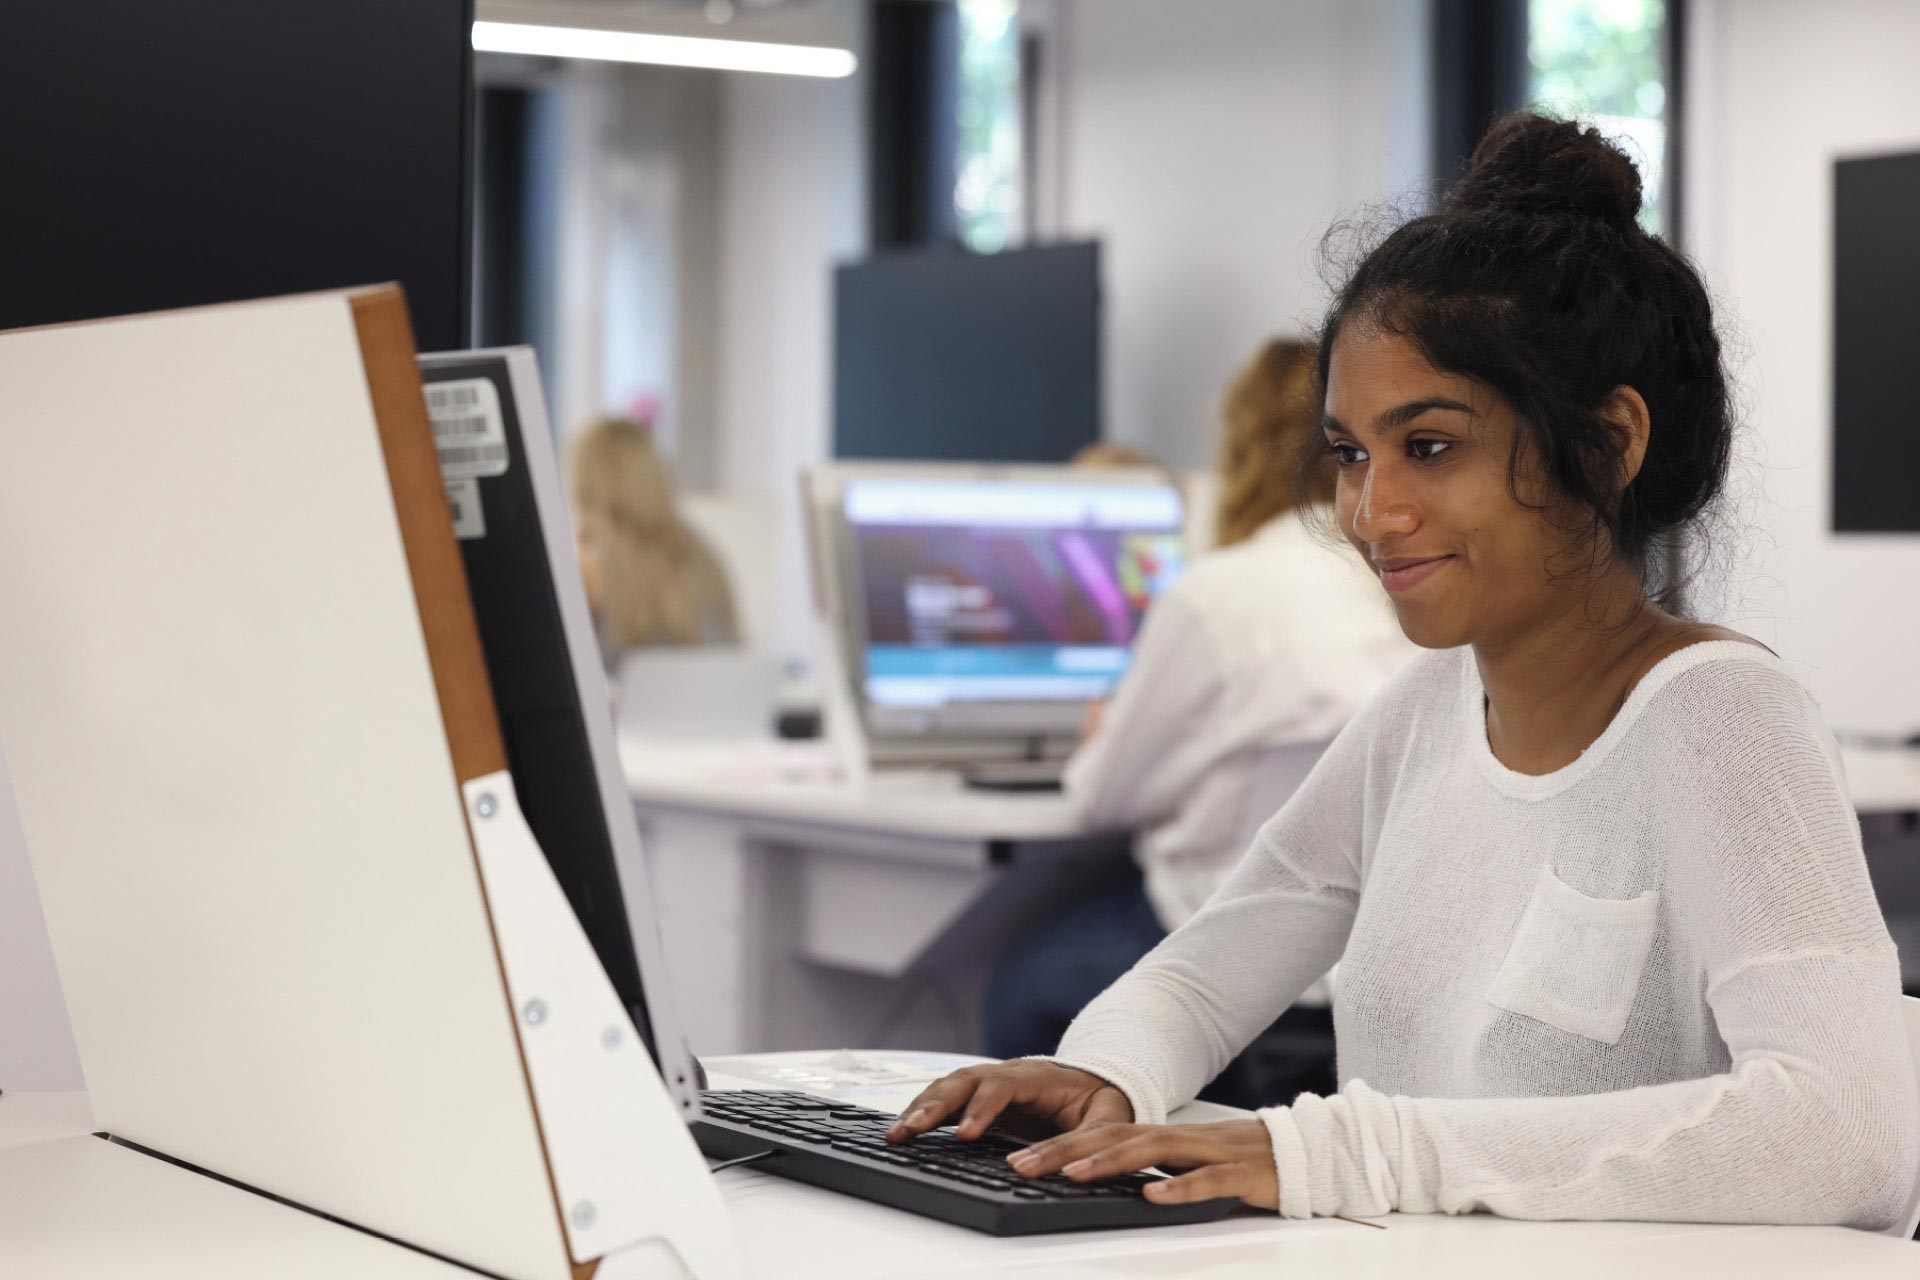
(1654, 984)
(1241, 674)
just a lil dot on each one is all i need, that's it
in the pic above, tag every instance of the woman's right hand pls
(1031, 1098)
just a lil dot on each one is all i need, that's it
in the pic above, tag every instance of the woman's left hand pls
(1230, 1158)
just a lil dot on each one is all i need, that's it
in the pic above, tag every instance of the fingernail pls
(1077, 1168)
(1023, 1159)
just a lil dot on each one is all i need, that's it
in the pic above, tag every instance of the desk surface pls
(1883, 779)
(793, 1232)
(799, 1232)
(794, 782)
(78, 1208)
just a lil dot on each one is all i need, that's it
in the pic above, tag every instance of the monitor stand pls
(1033, 772)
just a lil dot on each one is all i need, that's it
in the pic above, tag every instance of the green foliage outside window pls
(1604, 61)
(986, 191)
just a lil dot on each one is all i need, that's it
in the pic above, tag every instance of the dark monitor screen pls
(158, 155)
(949, 356)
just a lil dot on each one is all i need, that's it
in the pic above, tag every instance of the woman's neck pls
(1553, 689)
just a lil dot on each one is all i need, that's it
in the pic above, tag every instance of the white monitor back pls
(235, 781)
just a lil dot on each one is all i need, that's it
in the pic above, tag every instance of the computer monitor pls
(549, 684)
(985, 603)
(1005, 369)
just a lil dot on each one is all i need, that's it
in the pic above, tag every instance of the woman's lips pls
(1411, 574)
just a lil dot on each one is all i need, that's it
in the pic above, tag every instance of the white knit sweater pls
(1653, 984)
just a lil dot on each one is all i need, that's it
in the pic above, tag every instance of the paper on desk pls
(844, 1074)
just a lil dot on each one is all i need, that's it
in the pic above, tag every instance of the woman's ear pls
(1625, 409)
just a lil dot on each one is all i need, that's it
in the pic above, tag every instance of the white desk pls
(1883, 779)
(798, 1232)
(798, 909)
(788, 1231)
(73, 1207)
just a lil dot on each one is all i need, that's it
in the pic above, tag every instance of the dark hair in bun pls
(1534, 278)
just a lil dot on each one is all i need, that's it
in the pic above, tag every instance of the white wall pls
(1209, 144)
(1779, 90)
(36, 1045)
(792, 199)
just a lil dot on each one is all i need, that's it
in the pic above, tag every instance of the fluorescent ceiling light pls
(672, 51)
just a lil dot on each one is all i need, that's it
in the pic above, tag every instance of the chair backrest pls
(744, 533)
(1910, 1011)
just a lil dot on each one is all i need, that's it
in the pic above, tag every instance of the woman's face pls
(1423, 493)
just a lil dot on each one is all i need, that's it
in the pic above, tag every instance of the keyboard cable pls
(728, 1164)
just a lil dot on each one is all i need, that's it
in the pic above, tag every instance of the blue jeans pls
(1069, 959)
(1064, 963)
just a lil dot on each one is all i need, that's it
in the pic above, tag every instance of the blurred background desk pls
(799, 909)
(1884, 782)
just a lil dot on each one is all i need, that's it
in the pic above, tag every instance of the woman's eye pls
(1345, 455)
(1426, 450)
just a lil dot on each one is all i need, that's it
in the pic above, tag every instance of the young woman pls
(1608, 945)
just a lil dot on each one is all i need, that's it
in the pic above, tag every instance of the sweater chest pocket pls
(1575, 961)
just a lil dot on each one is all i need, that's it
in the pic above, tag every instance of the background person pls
(650, 579)
(1242, 672)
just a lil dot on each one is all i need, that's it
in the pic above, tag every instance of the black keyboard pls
(844, 1148)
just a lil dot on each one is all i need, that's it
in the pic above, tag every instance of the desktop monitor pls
(996, 603)
(544, 666)
(944, 355)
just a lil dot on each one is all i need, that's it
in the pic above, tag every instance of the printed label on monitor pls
(463, 497)
(468, 428)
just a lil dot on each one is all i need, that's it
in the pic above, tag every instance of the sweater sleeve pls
(1816, 1119)
(1141, 762)
(1279, 921)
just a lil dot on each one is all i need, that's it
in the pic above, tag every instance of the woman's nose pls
(1385, 509)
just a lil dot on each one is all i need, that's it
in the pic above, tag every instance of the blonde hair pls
(1268, 418)
(659, 583)
(1107, 453)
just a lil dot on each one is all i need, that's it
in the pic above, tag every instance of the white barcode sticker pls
(468, 429)
(463, 497)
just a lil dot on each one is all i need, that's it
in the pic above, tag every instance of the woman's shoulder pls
(1708, 659)
(1734, 703)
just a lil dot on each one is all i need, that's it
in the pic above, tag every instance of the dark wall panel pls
(169, 154)
(1876, 336)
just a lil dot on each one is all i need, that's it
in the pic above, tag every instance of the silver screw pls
(610, 1038)
(485, 805)
(584, 1215)
(534, 1011)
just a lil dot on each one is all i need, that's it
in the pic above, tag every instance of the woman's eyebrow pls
(1399, 416)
